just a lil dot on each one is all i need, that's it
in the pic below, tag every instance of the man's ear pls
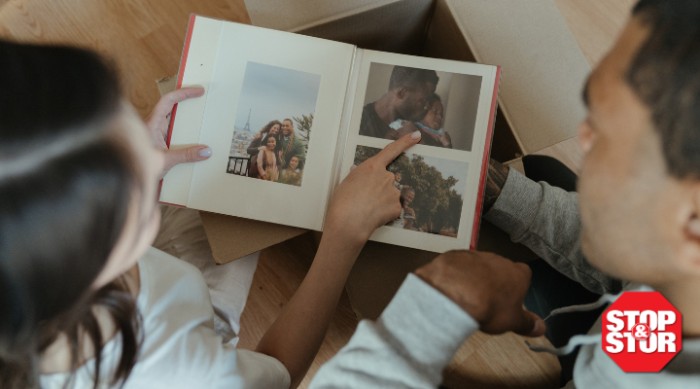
(691, 240)
(401, 92)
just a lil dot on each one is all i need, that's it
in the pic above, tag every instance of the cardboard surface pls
(233, 237)
(295, 15)
(386, 26)
(543, 66)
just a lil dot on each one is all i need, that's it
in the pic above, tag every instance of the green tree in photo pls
(303, 128)
(437, 205)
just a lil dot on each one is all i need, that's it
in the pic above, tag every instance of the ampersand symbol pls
(641, 331)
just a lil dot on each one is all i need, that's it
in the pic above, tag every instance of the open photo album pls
(289, 116)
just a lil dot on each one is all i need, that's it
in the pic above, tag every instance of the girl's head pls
(78, 183)
(271, 142)
(294, 162)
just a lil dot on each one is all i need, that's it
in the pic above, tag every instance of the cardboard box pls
(543, 70)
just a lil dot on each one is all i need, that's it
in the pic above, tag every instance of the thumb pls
(531, 325)
(186, 154)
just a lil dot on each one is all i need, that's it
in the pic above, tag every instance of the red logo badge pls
(642, 332)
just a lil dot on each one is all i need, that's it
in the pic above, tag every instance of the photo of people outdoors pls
(442, 105)
(430, 195)
(273, 124)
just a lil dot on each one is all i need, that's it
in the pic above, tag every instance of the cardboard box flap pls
(233, 237)
(397, 27)
(543, 66)
(295, 15)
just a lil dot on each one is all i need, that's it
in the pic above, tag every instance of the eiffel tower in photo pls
(246, 128)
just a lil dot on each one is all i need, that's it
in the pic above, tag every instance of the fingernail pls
(204, 152)
(415, 134)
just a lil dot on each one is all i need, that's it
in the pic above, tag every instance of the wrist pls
(495, 180)
(349, 236)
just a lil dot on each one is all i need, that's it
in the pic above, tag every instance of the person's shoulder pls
(166, 280)
(155, 258)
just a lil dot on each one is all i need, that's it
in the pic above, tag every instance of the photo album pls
(289, 116)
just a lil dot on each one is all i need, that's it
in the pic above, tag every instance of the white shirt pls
(180, 347)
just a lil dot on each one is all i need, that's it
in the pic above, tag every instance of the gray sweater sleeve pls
(546, 220)
(407, 347)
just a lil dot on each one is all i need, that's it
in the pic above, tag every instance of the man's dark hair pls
(665, 74)
(405, 77)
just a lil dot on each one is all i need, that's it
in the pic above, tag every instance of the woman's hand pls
(158, 124)
(367, 198)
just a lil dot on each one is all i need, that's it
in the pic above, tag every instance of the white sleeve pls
(200, 360)
(407, 347)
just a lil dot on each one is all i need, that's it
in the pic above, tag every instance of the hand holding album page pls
(288, 116)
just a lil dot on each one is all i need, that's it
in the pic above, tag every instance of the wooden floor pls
(144, 39)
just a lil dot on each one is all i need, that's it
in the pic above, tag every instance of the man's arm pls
(546, 220)
(426, 322)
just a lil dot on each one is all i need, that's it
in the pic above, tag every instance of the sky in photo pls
(448, 168)
(272, 92)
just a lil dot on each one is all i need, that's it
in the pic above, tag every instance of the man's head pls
(640, 182)
(287, 127)
(411, 88)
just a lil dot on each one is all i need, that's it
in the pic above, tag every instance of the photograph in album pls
(431, 191)
(273, 123)
(442, 105)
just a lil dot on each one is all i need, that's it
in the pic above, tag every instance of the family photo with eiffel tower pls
(280, 102)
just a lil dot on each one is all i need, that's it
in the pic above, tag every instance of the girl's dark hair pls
(65, 186)
(665, 75)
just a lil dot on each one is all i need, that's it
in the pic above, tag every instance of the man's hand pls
(488, 287)
(158, 124)
(367, 197)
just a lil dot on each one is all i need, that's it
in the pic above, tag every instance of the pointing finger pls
(395, 148)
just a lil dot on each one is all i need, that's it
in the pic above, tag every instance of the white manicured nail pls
(205, 152)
